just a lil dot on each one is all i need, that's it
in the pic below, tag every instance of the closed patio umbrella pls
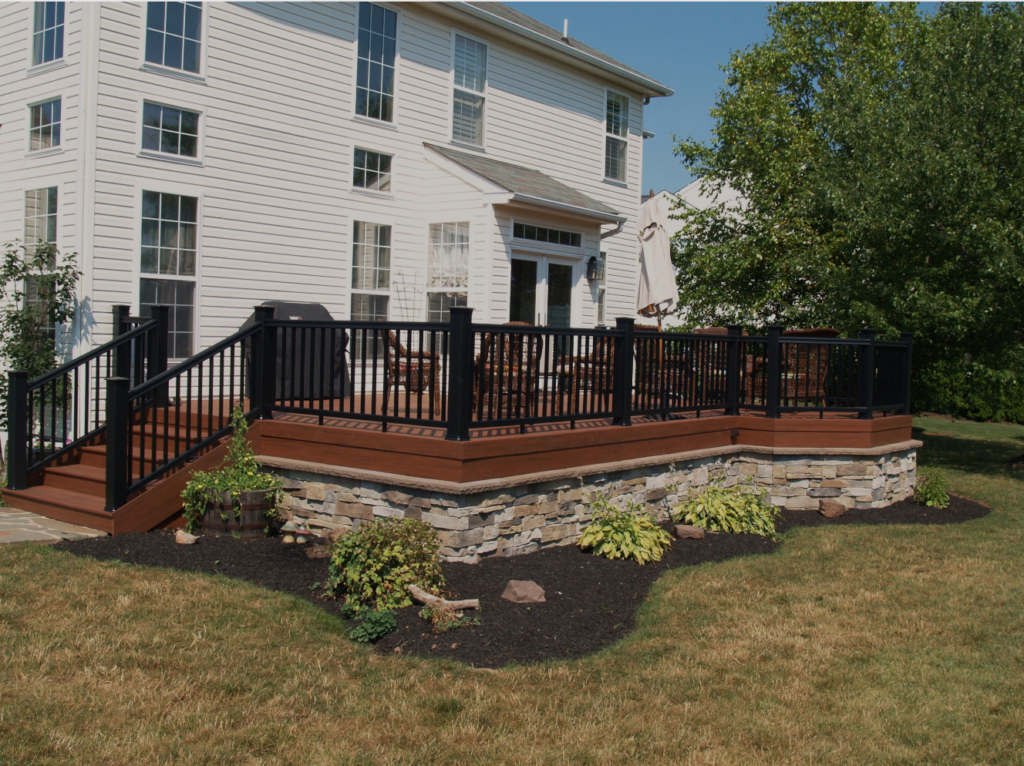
(658, 293)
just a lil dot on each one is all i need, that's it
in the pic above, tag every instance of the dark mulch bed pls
(591, 601)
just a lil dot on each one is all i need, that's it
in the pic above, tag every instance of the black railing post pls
(908, 338)
(122, 354)
(732, 371)
(622, 374)
(774, 372)
(263, 374)
(460, 373)
(158, 350)
(117, 442)
(866, 378)
(17, 429)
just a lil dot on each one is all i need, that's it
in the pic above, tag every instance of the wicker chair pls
(510, 380)
(416, 370)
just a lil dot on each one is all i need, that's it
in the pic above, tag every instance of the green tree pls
(880, 156)
(37, 299)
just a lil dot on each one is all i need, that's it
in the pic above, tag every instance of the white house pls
(388, 160)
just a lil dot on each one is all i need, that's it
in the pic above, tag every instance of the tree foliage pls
(880, 156)
(37, 301)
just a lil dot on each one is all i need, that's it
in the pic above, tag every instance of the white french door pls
(541, 290)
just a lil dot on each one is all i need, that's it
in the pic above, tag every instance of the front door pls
(541, 291)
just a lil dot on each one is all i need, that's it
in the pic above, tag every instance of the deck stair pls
(74, 489)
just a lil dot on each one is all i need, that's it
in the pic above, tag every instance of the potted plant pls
(237, 498)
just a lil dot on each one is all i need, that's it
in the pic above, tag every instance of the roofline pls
(648, 86)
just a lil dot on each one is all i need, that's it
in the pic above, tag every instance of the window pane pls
(190, 56)
(193, 21)
(376, 58)
(439, 305)
(179, 295)
(470, 63)
(371, 256)
(467, 118)
(615, 159)
(175, 18)
(155, 16)
(448, 257)
(154, 46)
(172, 51)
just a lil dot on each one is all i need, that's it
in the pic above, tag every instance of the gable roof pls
(525, 184)
(503, 16)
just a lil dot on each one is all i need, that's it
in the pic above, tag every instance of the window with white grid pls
(40, 229)
(447, 269)
(371, 170)
(48, 33)
(602, 289)
(617, 131)
(170, 131)
(173, 35)
(170, 225)
(470, 83)
(375, 62)
(44, 125)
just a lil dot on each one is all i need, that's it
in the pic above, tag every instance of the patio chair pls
(507, 371)
(416, 370)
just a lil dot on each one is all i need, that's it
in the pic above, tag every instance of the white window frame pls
(352, 289)
(606, 135)
(138, 275)
(482, 146)
(428, 289)
(36, 185)
(393, 124)
(29, 151)
(204, 40)
(46, 66)
(198, 161)
(366, 147)
(569, 251)
(601, 316)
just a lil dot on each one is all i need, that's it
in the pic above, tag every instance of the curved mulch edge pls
(591, 601)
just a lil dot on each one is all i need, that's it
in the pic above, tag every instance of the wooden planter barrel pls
(252, 520)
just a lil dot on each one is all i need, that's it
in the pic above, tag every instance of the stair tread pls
(79, 470)
(61, 497)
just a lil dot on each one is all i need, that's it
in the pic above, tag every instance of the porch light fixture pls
(593, 272)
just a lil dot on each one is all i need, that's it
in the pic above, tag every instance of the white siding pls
(277, 207)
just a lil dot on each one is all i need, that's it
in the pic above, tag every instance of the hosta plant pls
(740, 509)
(624, 533)
(373, 567)
(931, 489)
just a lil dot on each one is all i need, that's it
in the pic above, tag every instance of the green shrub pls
(740, 510)
(931, 489)
(624, 533)
(240, 472)
(374, 567)
(374, 626)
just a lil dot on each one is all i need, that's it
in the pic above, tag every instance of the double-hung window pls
(169, 250)
(170, 131)
(617, 131)
(48, 33)
(173, 35)
(371, 170)
(41, 230)
(44, 125)
(371, 284)
(468, 99)
(447, 269)
(375, 67)
(602, 289)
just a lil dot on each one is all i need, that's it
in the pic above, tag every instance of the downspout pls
(613, 232)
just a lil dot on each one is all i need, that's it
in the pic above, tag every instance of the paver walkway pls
(24, 527)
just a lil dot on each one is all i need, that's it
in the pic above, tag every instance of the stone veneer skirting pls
(522, 514)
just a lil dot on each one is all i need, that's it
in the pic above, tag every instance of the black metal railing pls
(50, 416)
(449, 376)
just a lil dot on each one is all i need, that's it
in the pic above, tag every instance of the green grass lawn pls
(850, 645)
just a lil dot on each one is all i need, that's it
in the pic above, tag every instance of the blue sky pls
(679, 44)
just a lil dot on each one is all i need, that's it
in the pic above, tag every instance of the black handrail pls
(458, 375)
(65, 407)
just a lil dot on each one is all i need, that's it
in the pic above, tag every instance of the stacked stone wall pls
(526, 517)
